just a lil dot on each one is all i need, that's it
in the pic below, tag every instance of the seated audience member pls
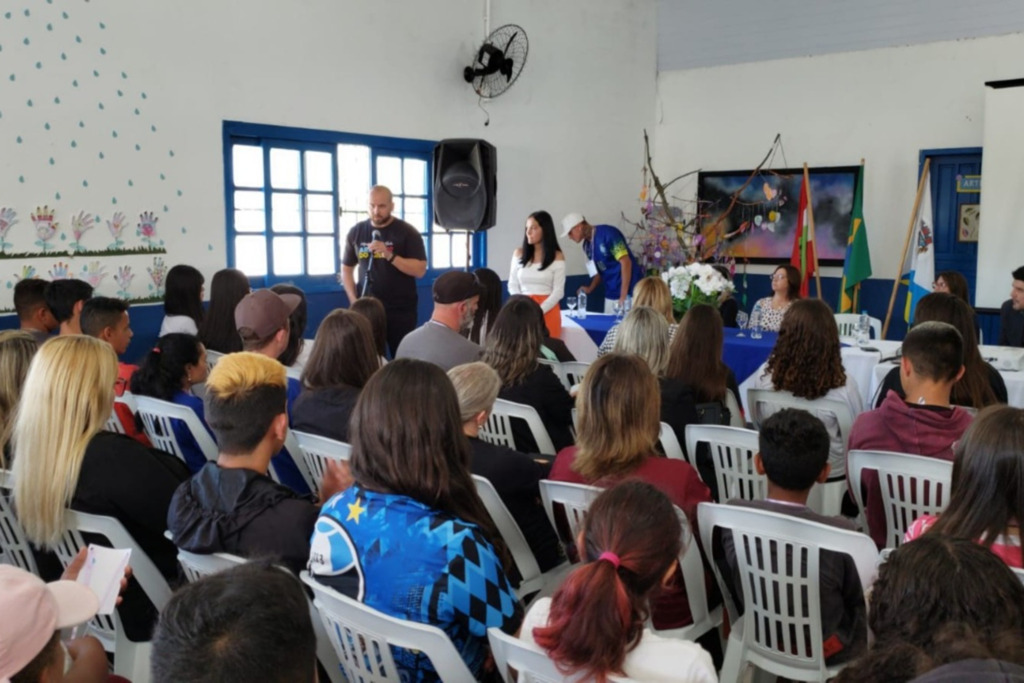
(16, 351)
(793, 455)
(296, 353)
(34, 315)
(183, 301)
(770, 311)
(490, 304)
(1011, 314)
(408, 535)
(218, 332)
(514, 475)
(644, 333)
(513, 350)
(594, 624)
(65, 299)
(371, 308)
(342, 362)
(952, 282)
(924, 423)
(986, 497)
(63, 458)
(618, 408)
(31, 649)
(807, 362)
(168, 372)
(981, 384)
(440, 340)
(651, 291)
(728, 307)
(943, 605)
(232, 505)
(247, 623)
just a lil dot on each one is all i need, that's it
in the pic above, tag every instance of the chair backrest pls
(574, 371)
(212, 357)
(195, 566)
(847, 324)
(912, 486)
(781, 623)
(510, 532)
(670, 443)
(157, 422)
(315, 451)
(1019, 572)
(764, 402)
(532, 664)
(363, 637)
(732, 454)
(556, 367)
(114, 421)
(575, 500)
(735, 412)
(498, 428)
(291, 444)
(14, 545)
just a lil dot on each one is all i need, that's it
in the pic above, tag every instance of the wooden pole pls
(906, 244)
(810, 226)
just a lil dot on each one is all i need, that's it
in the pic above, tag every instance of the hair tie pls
(611, 557)
(156, 349)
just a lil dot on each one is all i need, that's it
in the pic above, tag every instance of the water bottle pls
(863, 329)
(755, 323)
(581, 305)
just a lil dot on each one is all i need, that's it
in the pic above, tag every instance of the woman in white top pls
(594, 624)
(538, 269)
(785, 290)
(183, 301)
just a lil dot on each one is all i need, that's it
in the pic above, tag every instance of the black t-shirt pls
(393, 287)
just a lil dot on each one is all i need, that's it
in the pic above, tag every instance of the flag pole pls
(906, 244)
(810, 223)
(855, 299)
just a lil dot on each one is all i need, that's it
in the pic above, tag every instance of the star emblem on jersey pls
(355, 510)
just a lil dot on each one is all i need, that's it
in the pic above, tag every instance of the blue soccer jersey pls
(606, 247)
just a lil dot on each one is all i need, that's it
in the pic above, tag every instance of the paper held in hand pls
(103, 571)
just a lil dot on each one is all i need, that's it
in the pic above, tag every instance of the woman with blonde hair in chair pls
(652, 292)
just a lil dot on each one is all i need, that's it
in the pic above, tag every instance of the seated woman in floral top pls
(785, 290)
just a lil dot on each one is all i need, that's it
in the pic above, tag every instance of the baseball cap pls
(571, 221)
(265, 312)
(34, 610)
(456, 286)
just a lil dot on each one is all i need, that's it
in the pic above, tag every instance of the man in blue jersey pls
(608, 257)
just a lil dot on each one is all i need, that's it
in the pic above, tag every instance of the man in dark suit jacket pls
(1011, 315)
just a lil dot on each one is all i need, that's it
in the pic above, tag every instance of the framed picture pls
(967, 226)
(755, 218)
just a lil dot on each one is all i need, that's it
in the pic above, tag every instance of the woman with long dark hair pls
(490, 304)
(183, 301)
(769, 311)
(538, 269)
(594, 624)
(218, 332)
(372, 309)
(411, 537)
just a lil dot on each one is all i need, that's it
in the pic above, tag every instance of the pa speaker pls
(465, 184)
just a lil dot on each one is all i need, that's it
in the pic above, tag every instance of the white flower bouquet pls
(695, 283)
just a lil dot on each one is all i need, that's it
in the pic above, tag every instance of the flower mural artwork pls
(116, 226)
(123, 277)
(46, 227)
(60, 271)
(696, 283)
(94, 273)
(146, 228)
(157, 273)
(8, 219)
(80, 224)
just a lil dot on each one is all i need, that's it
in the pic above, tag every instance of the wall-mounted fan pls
(499, 61)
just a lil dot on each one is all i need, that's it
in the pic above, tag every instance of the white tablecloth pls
(579, 343)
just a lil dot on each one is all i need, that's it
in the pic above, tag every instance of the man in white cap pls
(608, 257)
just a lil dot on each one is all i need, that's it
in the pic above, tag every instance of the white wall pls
(882, 105)
(568, 133)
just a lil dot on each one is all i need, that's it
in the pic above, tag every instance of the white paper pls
(591, 268)
(103, 571)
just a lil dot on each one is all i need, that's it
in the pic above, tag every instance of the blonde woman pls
(63, 458)
(653, 292)
(16, 350)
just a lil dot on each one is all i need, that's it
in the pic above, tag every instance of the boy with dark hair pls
(33, 314)
(65, 299)
(232, 505)
(248, 623)
(793, 455)
(922, 424)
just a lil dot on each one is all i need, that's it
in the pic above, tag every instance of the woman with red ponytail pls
(594, 623)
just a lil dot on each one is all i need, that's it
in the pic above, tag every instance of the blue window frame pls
(291, 194)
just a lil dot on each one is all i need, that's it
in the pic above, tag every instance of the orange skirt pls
(552, 319)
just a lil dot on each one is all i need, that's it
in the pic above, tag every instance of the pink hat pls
(32, 611)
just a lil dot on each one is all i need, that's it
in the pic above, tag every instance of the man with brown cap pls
(440, 340)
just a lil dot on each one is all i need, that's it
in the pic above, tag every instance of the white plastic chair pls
(827, 498)
(157, 417)
(912, 486)
(767, 635)
(498, 428)
(670, 444)
(574, 371)
(735, 412)
(14, 545)
(556, 368)
(847, 324)
(363, 637)
(131, 659)
(315, 451)
(114, 421)
(532, 663)
(575, 500)
(732, 454)
(291, 444)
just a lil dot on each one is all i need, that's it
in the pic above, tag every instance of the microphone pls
(376, 236)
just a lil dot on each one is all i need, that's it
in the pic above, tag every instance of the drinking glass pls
(617, 308)
(570, 303)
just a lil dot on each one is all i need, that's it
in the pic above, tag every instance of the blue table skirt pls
(741, 353)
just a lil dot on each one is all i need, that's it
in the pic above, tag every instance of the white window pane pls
(416, 213)
(399, 208)
(287, 256)
(389, 173)
(459, 241)
(286, 212)
(247, 165)
(354, 177)
(320, 213)
(320, 256)
(318, 171)
(251, 255)
(440, 251)
(415, 176)
(249, 212)
(284, 168)
(248, 201)
(348, 219)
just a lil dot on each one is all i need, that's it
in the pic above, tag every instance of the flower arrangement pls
(696, 283)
